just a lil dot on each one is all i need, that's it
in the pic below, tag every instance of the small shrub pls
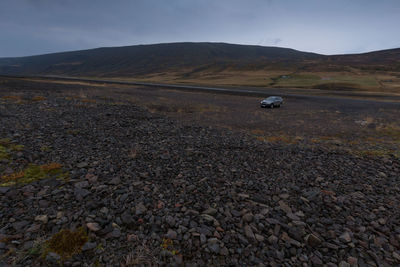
(168, 245)
(73, 132)
(66, 243)
(45, 148)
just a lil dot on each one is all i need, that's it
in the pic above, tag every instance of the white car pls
(271, 102)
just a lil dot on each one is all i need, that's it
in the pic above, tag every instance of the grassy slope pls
(221, 64)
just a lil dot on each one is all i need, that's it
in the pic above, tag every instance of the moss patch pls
(7, 146)
(3, 152)
(34, 173)
(66, 243)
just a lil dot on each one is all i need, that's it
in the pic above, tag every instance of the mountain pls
(220, 64)
(145, 59)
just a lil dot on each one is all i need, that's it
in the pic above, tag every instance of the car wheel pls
(271, 106)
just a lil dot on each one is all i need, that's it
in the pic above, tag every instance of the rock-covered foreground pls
(150, 190)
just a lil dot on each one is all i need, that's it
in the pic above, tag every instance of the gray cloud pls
(41, 26)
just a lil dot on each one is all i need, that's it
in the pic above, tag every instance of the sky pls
(30, 27)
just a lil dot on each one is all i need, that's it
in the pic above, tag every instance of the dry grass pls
(280, 139)
(88, 100)
(38, 98)
(14, 98)
(258, 132)
(391, 130)
(66, 243)
(354, 80)
(68, 82)
(140, 255)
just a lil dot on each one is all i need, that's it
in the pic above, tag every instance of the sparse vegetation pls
(34, 173)
(66, 243)
(7, 146)
(38, 98)
(155, 190)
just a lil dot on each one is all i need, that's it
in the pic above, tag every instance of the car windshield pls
(271, 98)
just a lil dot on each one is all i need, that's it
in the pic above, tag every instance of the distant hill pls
(219, 64)
(145, 59)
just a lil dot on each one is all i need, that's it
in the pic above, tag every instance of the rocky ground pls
(146, 189)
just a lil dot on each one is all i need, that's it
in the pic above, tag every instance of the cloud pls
(38, 26)
(270, 41)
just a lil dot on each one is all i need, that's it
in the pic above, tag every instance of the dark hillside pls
(144, 59)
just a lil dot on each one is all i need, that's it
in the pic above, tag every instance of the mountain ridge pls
(206, 62)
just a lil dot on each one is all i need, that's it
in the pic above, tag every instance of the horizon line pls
(205, 42)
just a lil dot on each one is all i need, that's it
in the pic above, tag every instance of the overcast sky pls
(29, 27)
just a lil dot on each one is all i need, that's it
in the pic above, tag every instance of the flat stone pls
(4, 190)
(285, 207)
(81, 193)
(248, 217)
(171, 234)
(53, 257)
(28, 245)
(208, 218)
(214, 247)
(284, 196)
(382, 174)
(249, 232)
(272, 221)
(224, 251)
(170, 220)
(396, 255)
(116, 233)
(272, 239)
(210, 211)
(259, 238)
(83, 184)
(345, 237)
(316, 261)
(115, 181)
(242, 195)
(93, 226)
(293, 217)
(330, 245)
(126, 218)
(140, 209)
(104, 210)
(203, 239)
(42, 218)
(352, 261)
(89, 246)
(344, 264)
(18, 226)
(313, 240)
(82, 164)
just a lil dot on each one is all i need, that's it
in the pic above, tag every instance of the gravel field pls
(135, 187)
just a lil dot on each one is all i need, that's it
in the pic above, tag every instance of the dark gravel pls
(151, 190)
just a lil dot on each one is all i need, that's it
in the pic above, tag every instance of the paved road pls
(258, 92)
